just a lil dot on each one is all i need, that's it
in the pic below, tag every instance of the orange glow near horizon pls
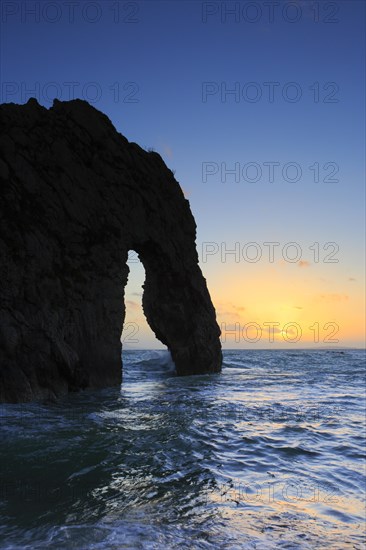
(280, 305)
(288, 309)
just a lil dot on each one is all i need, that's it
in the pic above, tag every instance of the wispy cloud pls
(229, 310)
(273, 330)
(132, 305)
(168, 151)
(335, 297)
(185, 192)
(303, 263)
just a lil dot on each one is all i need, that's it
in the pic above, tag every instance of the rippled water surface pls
(269, 454)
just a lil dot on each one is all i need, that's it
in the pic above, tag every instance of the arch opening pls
(136, 332)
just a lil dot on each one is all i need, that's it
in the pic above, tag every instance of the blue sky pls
(160, 56)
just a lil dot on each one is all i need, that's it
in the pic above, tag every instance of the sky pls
(259, 108)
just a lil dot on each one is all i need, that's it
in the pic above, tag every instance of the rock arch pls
(75, 197)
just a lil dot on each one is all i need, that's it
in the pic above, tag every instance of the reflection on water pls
(269, 454)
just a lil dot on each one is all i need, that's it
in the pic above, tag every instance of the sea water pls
(268, 454)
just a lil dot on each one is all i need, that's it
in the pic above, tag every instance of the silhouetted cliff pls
(76, 196)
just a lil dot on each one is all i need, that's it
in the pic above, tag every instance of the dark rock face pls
(76, 196)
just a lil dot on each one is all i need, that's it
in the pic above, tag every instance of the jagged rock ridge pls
(76, 196)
